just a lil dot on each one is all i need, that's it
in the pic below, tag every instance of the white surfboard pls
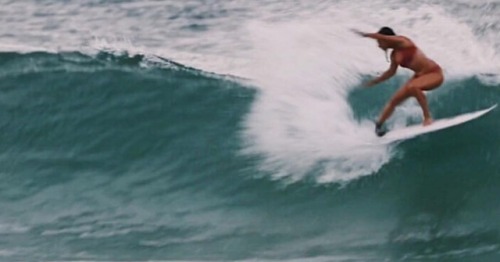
(416, 130)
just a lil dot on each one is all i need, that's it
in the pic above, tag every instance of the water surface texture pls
(212, 130)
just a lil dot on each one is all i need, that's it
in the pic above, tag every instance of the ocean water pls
(210, 130)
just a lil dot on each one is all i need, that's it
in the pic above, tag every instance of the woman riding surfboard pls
(428, 74)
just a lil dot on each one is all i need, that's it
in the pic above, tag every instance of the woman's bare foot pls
(427, 121)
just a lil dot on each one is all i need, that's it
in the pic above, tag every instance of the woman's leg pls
(401, 95)
(426, 82)
(414, 87)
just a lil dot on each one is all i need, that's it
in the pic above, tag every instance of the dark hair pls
(386, 31)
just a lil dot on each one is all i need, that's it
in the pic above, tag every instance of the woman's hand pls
(356, 31)
(369, 83)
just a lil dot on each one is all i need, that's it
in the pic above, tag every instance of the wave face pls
(155, 143)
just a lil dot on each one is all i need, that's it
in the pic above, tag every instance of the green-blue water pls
(115, 156)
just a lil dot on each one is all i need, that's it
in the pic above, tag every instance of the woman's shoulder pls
(406, 42)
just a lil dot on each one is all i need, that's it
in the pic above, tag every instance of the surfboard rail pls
(416, 130)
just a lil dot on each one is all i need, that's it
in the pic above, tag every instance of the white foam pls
(301, 119)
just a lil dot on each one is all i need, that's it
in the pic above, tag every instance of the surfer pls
(428, 74)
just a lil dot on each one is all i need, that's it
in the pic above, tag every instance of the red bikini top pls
(408, 54)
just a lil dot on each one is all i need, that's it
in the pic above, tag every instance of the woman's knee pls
(413, 90)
